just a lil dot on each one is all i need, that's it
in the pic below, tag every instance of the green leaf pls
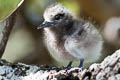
(7, 7)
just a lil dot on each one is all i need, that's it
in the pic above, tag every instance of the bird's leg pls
(69, 64)
(81, 63)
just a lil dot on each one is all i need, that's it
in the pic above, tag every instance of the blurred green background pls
(25, 42)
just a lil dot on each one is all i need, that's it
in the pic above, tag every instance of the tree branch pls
(109, 69)
(10, 21)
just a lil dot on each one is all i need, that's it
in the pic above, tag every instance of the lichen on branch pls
(109, 69)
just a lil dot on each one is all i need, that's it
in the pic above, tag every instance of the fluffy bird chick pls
(69, 39)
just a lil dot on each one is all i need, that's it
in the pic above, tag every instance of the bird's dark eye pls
(58, 16)
(80, 32)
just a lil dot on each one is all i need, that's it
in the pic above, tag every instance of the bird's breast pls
(56, 47)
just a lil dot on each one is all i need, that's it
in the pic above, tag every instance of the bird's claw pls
(81, 63)
(69, 65)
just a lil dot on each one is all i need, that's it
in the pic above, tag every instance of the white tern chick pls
(68, 38)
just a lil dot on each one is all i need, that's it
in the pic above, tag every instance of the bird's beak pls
(46, 24)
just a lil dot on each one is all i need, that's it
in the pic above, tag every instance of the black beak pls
(46, 24)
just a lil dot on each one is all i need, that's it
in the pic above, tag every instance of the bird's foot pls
(81, 63)
(69, 65)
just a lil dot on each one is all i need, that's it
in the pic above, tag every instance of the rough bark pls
(109, 69)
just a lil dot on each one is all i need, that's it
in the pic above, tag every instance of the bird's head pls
(55, 15)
